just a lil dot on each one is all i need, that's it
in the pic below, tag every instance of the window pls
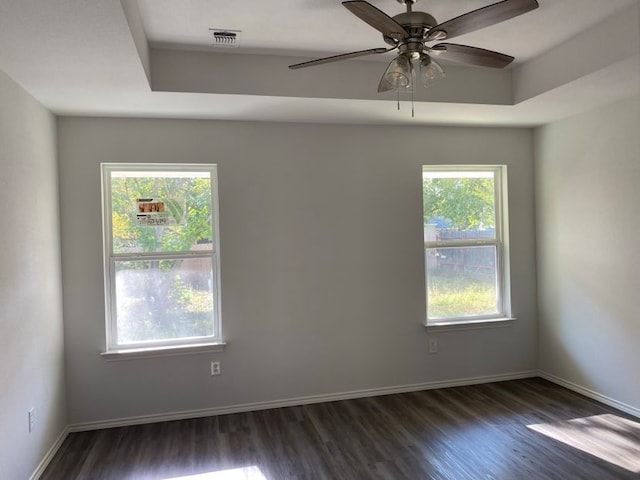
(465, 233)
(161, 256)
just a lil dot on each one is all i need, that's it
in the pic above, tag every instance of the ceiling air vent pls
(225, 38)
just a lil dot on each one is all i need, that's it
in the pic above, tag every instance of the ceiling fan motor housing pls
(415, 20)
(417, 25)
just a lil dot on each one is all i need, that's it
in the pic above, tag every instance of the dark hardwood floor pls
(524, 429)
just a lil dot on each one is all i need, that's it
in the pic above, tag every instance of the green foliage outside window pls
(466, 202)
(182, 196)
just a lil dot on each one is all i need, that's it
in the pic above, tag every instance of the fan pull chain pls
(413, 84)
(398, 90)
(412, 111)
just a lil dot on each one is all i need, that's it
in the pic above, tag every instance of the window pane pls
(459, 205)
(161, 212)
(164, 299)
(461, 282)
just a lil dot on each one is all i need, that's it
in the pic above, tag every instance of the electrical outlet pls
(32, 419)
(215, 368)
(433, 345)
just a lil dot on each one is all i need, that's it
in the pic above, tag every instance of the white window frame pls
(168, 346)
(501, 244)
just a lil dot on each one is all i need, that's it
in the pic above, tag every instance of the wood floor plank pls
(524, 429)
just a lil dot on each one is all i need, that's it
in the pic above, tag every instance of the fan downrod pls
(417, 25)
(408, 3)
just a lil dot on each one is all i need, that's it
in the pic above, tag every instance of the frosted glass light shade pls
(430, 71)
(398, 74)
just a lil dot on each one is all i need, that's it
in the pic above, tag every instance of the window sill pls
(135, 353)
(454, 326)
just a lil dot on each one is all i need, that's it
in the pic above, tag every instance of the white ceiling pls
(91, 57)
(319, 27)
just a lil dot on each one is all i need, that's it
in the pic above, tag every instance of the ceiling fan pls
(410, 33)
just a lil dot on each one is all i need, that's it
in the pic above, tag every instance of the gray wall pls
(31, 340)
(322, 262)
(587, 172)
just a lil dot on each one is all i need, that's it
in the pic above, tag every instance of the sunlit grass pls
(452, 294)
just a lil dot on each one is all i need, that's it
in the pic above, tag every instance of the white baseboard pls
(248, 407)
(50, 454)
(591, 394)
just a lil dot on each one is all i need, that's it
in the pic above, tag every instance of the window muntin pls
(161, 255)
(464, 239)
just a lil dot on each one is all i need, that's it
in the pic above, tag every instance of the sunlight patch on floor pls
(246, 473)
(609, 437)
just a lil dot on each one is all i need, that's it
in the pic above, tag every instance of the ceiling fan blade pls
(471, 55)
(376, 18)
(336, 58)
(483, 17)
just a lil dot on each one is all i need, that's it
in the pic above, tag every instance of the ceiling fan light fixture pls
(398, 74)
(430, 70)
